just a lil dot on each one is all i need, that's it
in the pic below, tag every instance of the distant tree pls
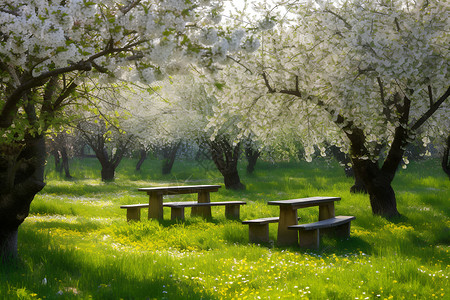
(61, 147)
(109, 143)
(143, 153)
(169, 153)
(252, 153)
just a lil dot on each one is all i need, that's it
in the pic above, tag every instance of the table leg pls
(326, 211)
(286, 237)
(204, 211)
(155, 209)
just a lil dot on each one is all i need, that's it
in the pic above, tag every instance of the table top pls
(183, 189)
(304, 202)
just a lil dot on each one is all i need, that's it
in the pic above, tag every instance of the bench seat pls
(309, 234)
(232, 209)
(134, 211)
(258, 229)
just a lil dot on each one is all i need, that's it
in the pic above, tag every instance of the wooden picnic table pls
(155, 210)
(288, 215)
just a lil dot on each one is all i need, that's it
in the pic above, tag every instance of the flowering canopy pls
(132, 40)
(333, 66)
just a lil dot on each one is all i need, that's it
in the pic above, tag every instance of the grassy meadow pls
(76, 243)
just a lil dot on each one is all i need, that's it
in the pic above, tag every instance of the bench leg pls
(309, 239)
(258, 233)
(133, 214)
(343, 231)
(232, 212)
(177, 213)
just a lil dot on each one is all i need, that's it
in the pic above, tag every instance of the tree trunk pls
(169, 154)
(445, 160)
(65, 163)
(142, 157)
(21, 178)
(232, 180)
(377, 181)
(57, 158)
(378, 186)
(252, 156)
(108, 171)
(226, 157)
(344, 160)
(358, 186)
(8, 243)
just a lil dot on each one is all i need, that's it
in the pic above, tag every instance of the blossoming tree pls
(367, 76)
(184, 106)
(48, 47)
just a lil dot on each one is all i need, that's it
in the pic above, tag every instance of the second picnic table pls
(155, 210)
(288, 215)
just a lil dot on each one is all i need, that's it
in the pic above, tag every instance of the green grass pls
(77, 244)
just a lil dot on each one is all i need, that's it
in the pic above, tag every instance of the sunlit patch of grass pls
(76, 244)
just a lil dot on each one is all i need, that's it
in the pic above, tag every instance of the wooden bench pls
(232, 208)
(258, 229)
(134, 211)
(309, 234)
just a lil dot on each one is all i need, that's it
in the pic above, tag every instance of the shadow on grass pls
(55, 273)
(329, 245)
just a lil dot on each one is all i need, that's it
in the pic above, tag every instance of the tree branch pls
(11, 106)
(432, 110)
(126, 9)
(266, 82)
(295, 92)
(9, 12)
(396, 24)
(430, 95)
(340, 18)
(239, 63)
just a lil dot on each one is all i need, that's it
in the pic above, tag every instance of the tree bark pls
(377, 181)
(358, 186)
(108, 171)
(109, 164)
(169, 155)
(226, 157)
(378, 186)
(58, 166)
(445, 160)
(252, 156)
(21, 178)
(142, 158)
(65, 163)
